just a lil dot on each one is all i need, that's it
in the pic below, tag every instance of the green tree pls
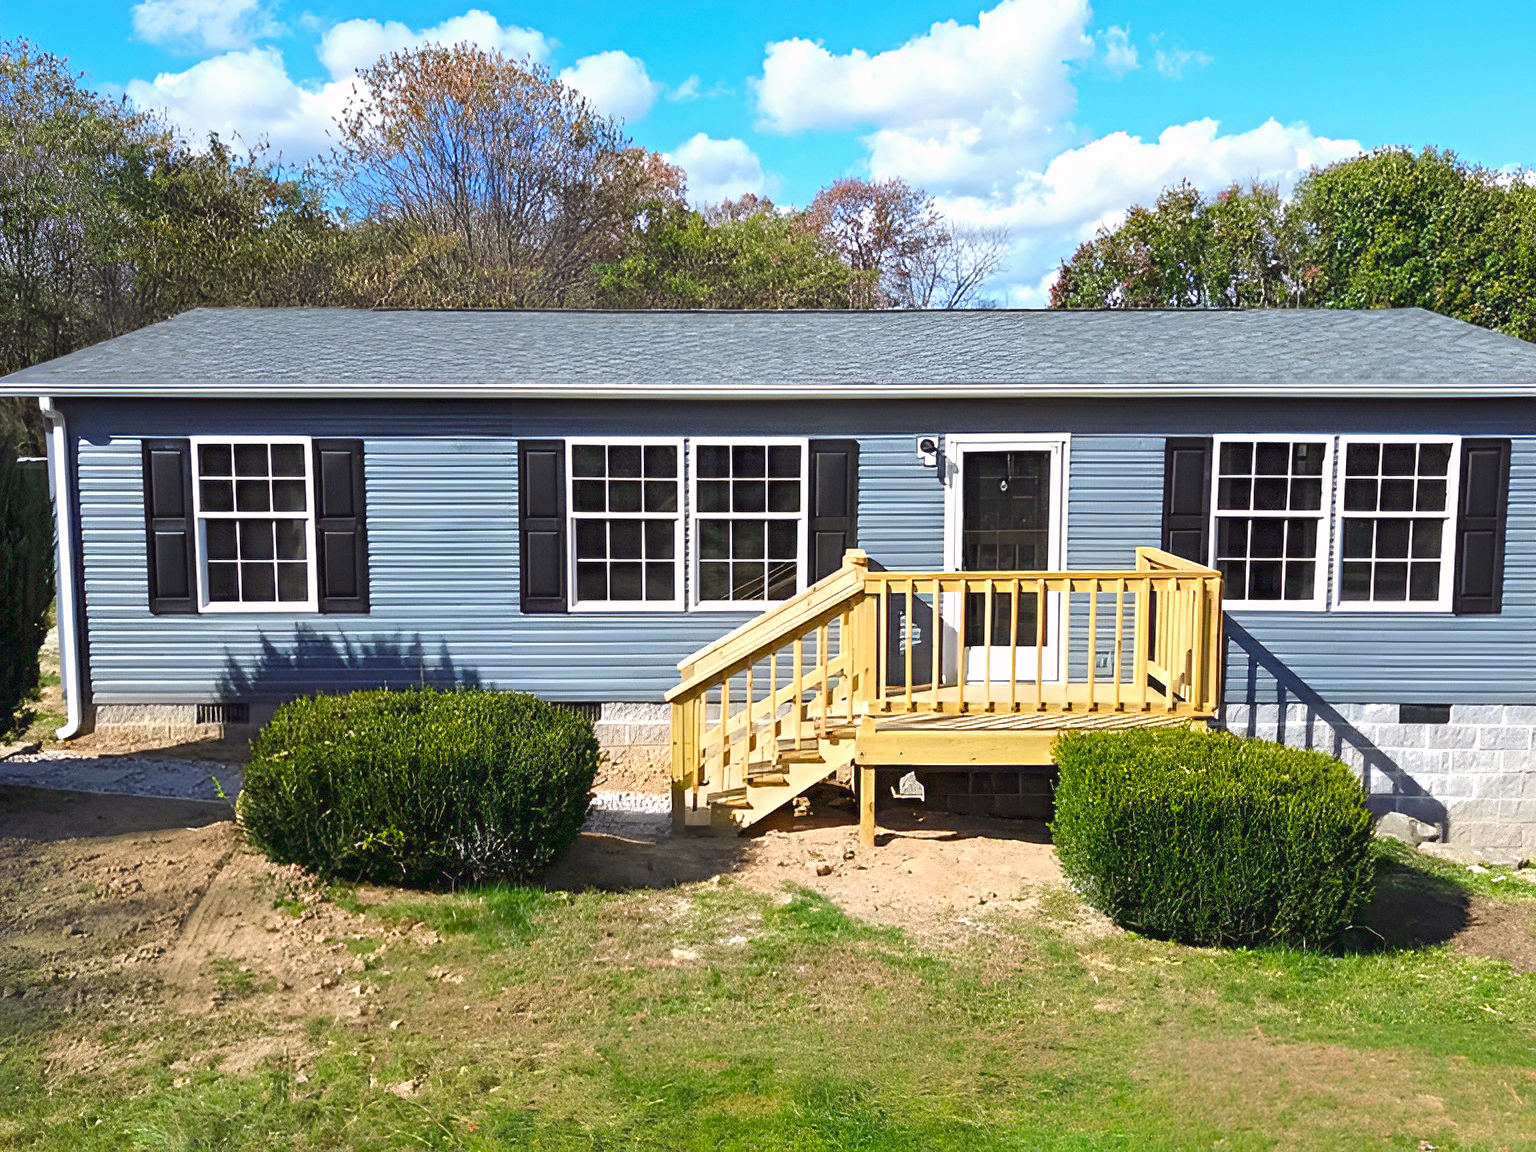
(26, 582)
(1395, 229)
(1389, 229)
(110, 221)
(488, 182)
(753, 259)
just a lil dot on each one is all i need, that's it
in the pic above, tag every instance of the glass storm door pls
(1007, 516)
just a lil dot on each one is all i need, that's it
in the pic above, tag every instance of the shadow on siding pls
(1321, 727)
(315, 661)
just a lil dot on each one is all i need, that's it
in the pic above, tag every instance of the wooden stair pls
(831, 681)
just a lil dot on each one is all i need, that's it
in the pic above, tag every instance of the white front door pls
(1005, 512)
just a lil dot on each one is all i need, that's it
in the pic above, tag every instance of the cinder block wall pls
(1473, 775)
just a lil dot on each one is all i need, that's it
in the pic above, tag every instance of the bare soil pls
(152, 906)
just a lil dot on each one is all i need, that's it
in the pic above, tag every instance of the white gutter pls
(62, 492)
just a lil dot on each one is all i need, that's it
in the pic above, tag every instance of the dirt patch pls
(1502, 931)
(933, 873)
(126, 906)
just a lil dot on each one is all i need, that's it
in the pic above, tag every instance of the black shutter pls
(833, 503)
(1187, 498)
(1478, 585)
(541, 525)
(168, 527)
(341, 529)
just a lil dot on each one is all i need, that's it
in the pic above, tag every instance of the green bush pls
(26, 582)
(422, 787)
(1211, 838)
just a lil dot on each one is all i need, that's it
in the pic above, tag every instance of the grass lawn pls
(720, 1016)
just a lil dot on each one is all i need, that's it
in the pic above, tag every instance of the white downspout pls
(61, 490)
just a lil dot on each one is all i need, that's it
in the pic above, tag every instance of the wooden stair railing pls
(776, 705)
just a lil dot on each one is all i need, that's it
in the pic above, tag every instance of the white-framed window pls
(748, 520)
(626, 524)
(1396, 508)
(253, 498)
(1270, 512)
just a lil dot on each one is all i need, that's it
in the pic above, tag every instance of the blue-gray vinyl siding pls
(442, 499)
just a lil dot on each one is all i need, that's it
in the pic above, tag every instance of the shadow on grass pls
(1410, 908)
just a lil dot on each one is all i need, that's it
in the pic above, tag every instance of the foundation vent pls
(591, 711)
(227, 712)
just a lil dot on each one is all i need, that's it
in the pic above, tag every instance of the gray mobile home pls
(1317, 527)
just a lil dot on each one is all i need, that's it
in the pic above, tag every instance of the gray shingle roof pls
(342, 352)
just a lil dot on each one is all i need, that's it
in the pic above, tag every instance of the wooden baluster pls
(964, 614)
(826, 680)
(1172, 665)
(1119, 637)
(1014, 592)
(773, 705)
(1093, 644)
(878, 659)
(906, 640)
(799, 689)
(1042, 599)
(1139, 639)
(936, 645)
(986, 612)
(725, 732)
(750, 729)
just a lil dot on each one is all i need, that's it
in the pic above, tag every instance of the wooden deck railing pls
(870, 643)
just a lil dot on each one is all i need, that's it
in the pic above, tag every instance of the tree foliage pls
(757, 258)
(1389, 229)
(895, 231)
(505, 186)
(109, 221)
(26, 582)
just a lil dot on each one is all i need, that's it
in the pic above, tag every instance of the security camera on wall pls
(928, 451)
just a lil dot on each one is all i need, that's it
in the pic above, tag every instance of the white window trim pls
(802, 519)
(200, 519)
(573, 517)
(1450, 517)
(1324, 516)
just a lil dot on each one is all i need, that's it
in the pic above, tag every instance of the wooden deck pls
(874, 669)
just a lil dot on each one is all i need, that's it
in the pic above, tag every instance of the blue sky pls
(1047, 117)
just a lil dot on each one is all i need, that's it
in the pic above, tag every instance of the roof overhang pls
(1141, 390)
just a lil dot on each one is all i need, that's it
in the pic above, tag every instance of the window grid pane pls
(626, 513)
(1393, 519)
(1269, 506)
(747, 514)
(253, 518)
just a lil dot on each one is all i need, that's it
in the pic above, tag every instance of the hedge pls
(1211, 838)
(422, 787)
(26, 581)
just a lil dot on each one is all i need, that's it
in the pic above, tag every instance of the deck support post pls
(866, 805)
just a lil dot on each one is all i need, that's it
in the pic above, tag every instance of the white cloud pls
(1172, 63)
(980, 115)
(945, 100)
(355, 44)
(1119, 53)
(718, 169)
(614, 81)
(248, 94)
(688, 90)
(204, 25)
(1051, 211)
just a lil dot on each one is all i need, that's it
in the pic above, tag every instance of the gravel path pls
(633, 815)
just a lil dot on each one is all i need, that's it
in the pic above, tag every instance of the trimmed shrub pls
(1211, 838)
(423, 787)
(26, 582)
